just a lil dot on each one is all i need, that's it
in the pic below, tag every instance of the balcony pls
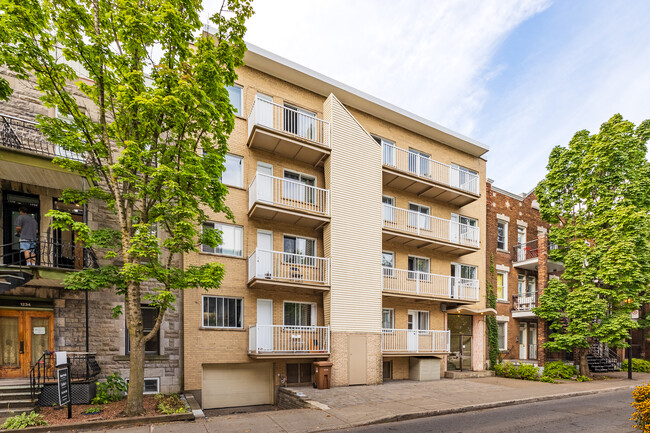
(526, 256)
(523, 304)
(422, 176)
(279, 269)
(287, 201)
(278, 341)
(417, 230)
(407, 342)
(288, 133)
(419, 285)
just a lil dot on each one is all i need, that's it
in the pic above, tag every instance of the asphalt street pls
(607, 412)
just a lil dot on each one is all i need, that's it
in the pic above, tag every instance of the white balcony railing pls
(289, 121)
(288, 339)
(425, 167)
(413, 340)
(290, 193)
(425, 284)
(525, 301)
(297, 268)
(430, 227)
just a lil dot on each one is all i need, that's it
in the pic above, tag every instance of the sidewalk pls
(346, 407)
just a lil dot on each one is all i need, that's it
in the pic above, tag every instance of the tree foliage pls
(151, 117)
(597, 196)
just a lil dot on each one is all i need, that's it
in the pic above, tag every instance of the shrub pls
(546, 379)
(111, 390)
(559, 370)
(641, 405)
(527, 372)
(93, 410)
(24, 420)
(506, 369)
(170, 404)
(581, 378)
(638, 365)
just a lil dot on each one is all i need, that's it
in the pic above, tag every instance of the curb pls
(134, 421)
(482, 406)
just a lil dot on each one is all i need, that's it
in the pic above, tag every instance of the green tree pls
(154, 138)
(597, 196)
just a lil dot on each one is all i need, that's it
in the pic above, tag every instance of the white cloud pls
(431, 58)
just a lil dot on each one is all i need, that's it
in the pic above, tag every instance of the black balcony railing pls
(24, 135)
(49, 253)
(83, 368)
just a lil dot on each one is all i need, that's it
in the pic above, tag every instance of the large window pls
(463, 271)
(236, 94)
(222, 312)
(299, 314)
(419, 216)
(388, 150)
(418, 320)
(388, 318)
(502, 334)
(388, 263)
(502, 235)
(149, 315)
(300, 247)
(464, 178)
(300, 122)
(299, 187)
(231, 239)
(233, 173)
(388, 205)
(532, 285)
(502, 286)
(419, 268)
(419, 162)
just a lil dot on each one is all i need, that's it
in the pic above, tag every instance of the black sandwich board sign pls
(63, 379)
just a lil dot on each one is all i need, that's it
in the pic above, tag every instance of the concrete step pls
(10, 396)
(6, 413)
(16, 404)
(467, 374)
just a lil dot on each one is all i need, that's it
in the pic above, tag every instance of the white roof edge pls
(280, 67)
(519, 197)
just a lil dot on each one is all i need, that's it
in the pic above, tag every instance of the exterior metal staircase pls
(10, 278)
(602, 359)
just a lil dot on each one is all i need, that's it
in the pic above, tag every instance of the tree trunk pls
(583, 364)
(134, 406)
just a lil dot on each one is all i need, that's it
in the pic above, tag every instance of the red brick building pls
(517, 245)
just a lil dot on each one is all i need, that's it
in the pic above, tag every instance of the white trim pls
(241, 97)
(505, 336)
(301, 174)
(214, 228)
(392, 317)
(505, 286)
(157, 379)
(503, 268)
(241, 178)
(505, 231)
(503, 218)
(541, 229)
(301, 237)
(314, 312)
(503, 318)
(522, 223)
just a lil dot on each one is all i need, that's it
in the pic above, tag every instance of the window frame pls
(391, 312)
(505, 336)
(420, 277)
(314, 312)
(241, 312)
(391, 217)
(127, 342)
(505, 236)
(385, 272)
(388, 148)
(504, 287)
(241, 99)
(214, 224)
(241, 175)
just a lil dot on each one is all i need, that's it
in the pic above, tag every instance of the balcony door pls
(300, 122)
(265, 182)
(24, 336)
(419, 217)
(523, 340)
(419, 163)
(412, 332)
(264, 254)
(264, 110)
(264, 323)
(11, 203)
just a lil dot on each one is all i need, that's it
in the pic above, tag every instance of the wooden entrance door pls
(24, 336)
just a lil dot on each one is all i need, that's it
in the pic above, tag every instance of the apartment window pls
(521, 284)
(532, 285)
(304, 247)
(388, 318)
(419, 162)
(388, 263)
(502, 335)
(231, 239)
(149, 315)
(299, 187)
(463, 271)
(419, 268)
(464, 178)
(300, 122)
(233, 173)
(222, 312)
(419, 216)
(151, 385)
(418, 320)
(299, 314)
(389, 212)
(236, 94)
(387, 150)
(502, 235)
(502, 286)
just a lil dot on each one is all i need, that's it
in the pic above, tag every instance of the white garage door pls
(230, 385)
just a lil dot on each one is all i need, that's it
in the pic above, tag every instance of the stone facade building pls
(517, 245)
(37, 313)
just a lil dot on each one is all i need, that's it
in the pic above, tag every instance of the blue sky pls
(518, 75)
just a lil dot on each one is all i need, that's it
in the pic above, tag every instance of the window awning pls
(37, 171)
(468, 309)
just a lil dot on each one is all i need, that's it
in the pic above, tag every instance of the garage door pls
(230, 385)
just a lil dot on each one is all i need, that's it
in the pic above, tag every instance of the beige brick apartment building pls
(359, 238)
